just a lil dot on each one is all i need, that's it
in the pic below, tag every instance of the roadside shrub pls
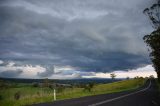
(159, 87)
(38, 93)
(3, 84)
(88, 87)
(91, 85)
(1, 97)
(60, 89)
(50, 86)
(35, 84)
(17, 95)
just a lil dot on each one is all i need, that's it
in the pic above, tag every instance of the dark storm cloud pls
(92, 35)
(10, 73)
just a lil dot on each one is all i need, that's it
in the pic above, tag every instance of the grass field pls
(31, 95)
(158, 83)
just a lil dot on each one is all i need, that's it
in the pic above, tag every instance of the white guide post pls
(54, 95)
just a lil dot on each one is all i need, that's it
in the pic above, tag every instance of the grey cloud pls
(76, 76)
(61, 34)
(10, 73)
(49, 72)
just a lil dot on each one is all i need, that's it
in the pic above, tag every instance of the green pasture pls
(32, 95)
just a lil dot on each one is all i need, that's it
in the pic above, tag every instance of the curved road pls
(144, 96)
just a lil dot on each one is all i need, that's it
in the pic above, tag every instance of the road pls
(144, 96)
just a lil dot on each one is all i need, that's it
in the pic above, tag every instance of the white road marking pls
(109, 100)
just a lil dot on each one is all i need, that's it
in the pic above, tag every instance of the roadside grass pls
(32, 95)
(28, 95)
(102, 89)
(158, 83)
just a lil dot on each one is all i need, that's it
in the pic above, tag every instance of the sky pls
(67, 39)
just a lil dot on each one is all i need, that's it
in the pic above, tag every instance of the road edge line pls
(109, 100)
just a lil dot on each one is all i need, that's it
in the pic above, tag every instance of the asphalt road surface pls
(144, 96)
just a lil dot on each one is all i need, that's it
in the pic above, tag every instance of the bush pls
(1, 97)
(3, 85)
(50, 86)
(60, 89)
(17, 95)
(35, 84)
(158, 83)
(38, 93)
(89, 87)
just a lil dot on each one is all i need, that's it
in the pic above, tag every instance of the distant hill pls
(67, 81)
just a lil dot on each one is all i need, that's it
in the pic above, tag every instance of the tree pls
(127, 78)
(154, 14)
(17, 95)
(112, 75)
(89, 87)
(46, 82)
(136, 77)
(35, 84)
(151, 76)
(153, 40)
